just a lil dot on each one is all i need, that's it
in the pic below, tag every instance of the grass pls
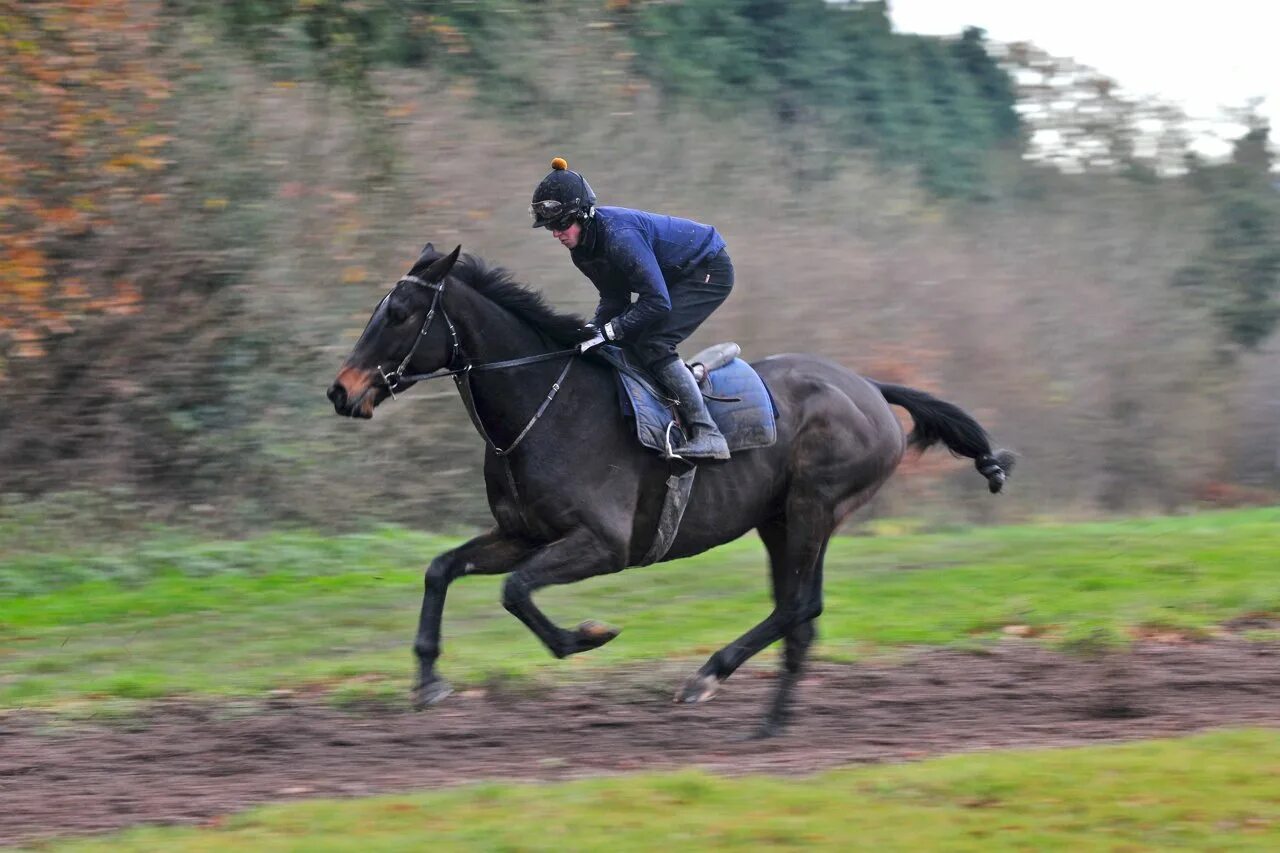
(1219, 791)
(174, 616)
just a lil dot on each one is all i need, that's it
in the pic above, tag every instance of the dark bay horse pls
(574, 495)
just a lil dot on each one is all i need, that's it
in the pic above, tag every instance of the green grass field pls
(1213, 792)
(169, 615)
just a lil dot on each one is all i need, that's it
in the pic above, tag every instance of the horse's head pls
(408, 333)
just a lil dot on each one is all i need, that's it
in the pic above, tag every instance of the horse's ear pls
(426, 250)
(441, 267)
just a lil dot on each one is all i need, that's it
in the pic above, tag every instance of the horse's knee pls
(804, 632)
(794, 618)
(806, 608)
(440, 573)
(515, 591)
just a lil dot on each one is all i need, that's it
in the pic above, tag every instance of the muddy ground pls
(187, 762)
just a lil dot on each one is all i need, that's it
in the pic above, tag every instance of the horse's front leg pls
(489, 554)
(579, 555)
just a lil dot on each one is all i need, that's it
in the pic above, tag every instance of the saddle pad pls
(748, 423)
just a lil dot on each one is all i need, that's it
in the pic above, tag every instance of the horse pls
(574, 495)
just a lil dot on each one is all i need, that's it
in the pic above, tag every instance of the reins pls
(462, 375)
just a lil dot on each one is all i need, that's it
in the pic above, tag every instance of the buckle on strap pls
(391, 385)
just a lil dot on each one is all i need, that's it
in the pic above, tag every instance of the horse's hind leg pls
(799, 638)
(704, 683)
(578, 556)
(795, 550)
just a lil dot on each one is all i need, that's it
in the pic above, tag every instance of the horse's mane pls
(498, 285)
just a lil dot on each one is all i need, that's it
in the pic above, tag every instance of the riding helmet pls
(562, 197)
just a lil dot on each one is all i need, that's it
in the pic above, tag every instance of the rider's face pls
(570, 236)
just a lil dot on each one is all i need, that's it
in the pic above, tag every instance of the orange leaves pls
(23, 289)
(126, 299)
(81, 146)
(154, 141)
(30, 290)
(22, 263)
(28, 344)
(450, 36)
(128, 161)
(73, 288)
(402, 110)
(123, 298)
(62, 215)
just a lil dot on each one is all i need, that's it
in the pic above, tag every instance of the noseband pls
(394, 380)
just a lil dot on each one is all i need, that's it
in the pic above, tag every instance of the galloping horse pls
(573, 493)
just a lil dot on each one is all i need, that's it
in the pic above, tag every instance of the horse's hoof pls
(699, 688)
(593, 635)
(768, 729)
(426, 695)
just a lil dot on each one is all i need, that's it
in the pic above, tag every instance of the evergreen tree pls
(936, 104)
(1237, 274)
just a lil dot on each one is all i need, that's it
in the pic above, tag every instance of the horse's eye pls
(396, 312)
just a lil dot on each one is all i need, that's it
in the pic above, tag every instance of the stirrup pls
(671, 451)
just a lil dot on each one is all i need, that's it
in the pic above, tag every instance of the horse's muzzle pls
(338, 396)
(344, 405)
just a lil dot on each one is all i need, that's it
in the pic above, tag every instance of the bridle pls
(395, 380)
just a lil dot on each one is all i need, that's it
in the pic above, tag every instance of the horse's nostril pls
(337, 395)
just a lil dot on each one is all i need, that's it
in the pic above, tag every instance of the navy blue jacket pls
(626, 251)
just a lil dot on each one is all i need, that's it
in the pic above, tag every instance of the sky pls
(1202, 56)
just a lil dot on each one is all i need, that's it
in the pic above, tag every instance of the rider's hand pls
(592, 342)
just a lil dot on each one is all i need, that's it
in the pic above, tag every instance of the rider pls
(678, 268)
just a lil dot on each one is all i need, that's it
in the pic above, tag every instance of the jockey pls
(678, 269)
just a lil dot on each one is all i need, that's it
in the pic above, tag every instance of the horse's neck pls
(507, 398)
(489, 332)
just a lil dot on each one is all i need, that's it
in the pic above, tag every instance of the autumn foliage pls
(82, 151)
(199, 203)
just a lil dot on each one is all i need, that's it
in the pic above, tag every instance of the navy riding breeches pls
(693, 297)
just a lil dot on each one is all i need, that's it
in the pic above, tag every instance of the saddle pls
(737, 400)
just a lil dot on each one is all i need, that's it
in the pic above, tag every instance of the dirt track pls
(188, 762)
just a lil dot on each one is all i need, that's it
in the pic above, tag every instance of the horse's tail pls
(937, 420)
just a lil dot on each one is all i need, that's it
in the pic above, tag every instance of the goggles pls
(553, 213)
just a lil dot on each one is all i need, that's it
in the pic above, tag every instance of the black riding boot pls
(706, 442)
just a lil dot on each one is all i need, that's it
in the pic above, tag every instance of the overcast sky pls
(1202, 56)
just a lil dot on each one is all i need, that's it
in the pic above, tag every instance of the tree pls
(1080, 119)
(1236, 276)
(82, 149)
(839, 72)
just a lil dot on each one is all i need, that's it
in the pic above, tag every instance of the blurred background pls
(200, 204)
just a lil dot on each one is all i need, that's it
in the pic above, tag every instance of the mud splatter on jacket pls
(626, 251)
